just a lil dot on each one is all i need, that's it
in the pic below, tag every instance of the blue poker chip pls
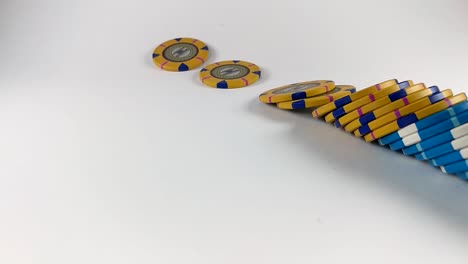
(443, 149)
(429, 132)
(397, 145)
(434, 141)
(424, 144)
(456, 168)
(424, 123)
(389, 139)
(463, 175)
(451, 157)
(443, 126)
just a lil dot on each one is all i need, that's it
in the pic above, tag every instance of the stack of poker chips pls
(425, 122)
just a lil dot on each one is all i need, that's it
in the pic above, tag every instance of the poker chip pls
(463, 175)
(360, 111)
(364, 100)
(341, 111)
(431, 137)
(456, 168)
(325, 109)
(410, 148)
(449, 158)
(337, 93)
(445, 148)
(400, 123)
(399, 103)
(296, 91)
(180, 54)
(426, 122)
(423, 122)
(230, 74)
(415, 138)
(396, 114)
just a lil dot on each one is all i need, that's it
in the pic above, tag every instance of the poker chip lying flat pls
(296, 91)
(411, 98)
(426, 122)
(360, 111)
(338, 92)
(445, 148)
(430, 140)
(400, 123)
(451, 157)
(363, 101)
(325, 109)
(406, 110)
(230, 74)
(180, 54)
(430, 137)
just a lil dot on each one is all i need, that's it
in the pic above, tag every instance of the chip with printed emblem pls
(230, 74)
(180, 54)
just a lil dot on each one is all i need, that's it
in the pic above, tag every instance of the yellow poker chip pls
(429, 110)
(337, 93)
(355, 124)
(296, 91)
(360, 111)
(371, 97)
(372, 115)
(442, 105)
(323, 110)
(412, 98)
(408, 109)
(230, 74)
(180, 54)
(411, 108)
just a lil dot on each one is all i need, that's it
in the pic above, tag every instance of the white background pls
(106, 159)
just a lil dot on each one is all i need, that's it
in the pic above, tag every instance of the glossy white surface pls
(106, 159)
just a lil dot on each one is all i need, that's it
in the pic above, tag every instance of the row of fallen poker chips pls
(184, 54)
(305, 95)
(424, 122)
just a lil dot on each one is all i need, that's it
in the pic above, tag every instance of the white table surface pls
(106, 159)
